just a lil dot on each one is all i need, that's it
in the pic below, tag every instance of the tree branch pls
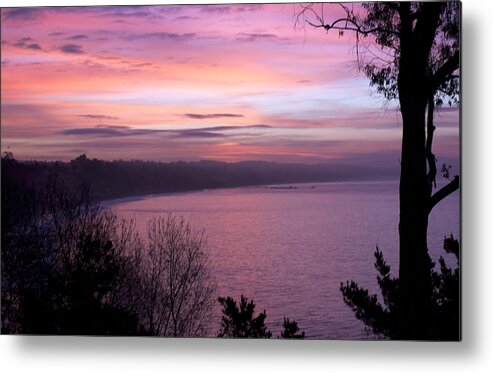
(356, 27)
(443, 192)
(426, 26)
(446, 70)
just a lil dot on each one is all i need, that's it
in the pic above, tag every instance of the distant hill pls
(116, 179)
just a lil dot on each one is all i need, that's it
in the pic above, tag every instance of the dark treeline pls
(116, 179)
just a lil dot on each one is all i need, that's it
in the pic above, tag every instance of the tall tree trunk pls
(414, 261)
(416, 39)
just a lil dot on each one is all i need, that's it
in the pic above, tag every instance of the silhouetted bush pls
(291, 329)
(446, 295)
(238, 320)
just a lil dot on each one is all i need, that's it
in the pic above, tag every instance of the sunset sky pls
(223, 82)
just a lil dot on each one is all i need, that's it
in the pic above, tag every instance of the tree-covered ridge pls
(116, 179)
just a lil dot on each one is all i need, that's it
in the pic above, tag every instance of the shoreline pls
(107, 203)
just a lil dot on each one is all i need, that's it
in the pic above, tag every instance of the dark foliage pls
(238, 320)
(291, 329)
(60, 264)
(446, 295)
(383, 318)
(80, 288)
(380, 319)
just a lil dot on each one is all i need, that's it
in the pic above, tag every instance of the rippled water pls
(289, 249)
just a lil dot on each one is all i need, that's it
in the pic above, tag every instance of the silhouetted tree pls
(83, 287)
(238, 319)
(383, 318)
(291, 329)
(62, 258)
(179, 286)
(415, 60)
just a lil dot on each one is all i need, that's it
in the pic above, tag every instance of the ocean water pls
(289, 247)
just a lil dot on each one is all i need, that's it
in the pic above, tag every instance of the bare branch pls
(345, 27)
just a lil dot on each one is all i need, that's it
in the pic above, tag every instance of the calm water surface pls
(289, 249)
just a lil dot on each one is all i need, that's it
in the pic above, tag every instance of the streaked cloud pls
(97, 117)
(253, 37)
(97, 131)
(123, 131)
(226, 9)
(77, 37)
(127, 12)
(22, 14)
(173, 36)
(212, 116)
(217, 9)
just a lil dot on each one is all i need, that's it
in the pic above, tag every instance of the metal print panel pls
(235, 170)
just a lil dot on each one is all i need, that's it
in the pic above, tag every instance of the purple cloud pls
(72, 49)
(77, 37)
(97, 117)
(198, 133)
(225, 9)
(22, 14)
(95, 131)
(123, 131)
(34, 46)
(184, 18)
(227, 128)
(22, 43)
(213, 116)
(129, 12)
(216, 9)
(252, 37)
(163, 36)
